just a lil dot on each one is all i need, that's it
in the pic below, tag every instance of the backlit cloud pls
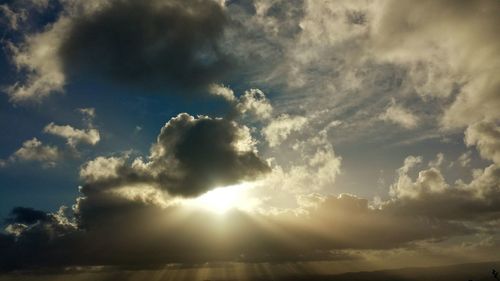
(191, 156)
(350, 132)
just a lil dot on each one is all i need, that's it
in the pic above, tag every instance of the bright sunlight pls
(222, 199)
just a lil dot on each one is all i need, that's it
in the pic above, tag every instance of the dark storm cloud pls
(191, 156)
(149, 43)
(114, 230)
(111, 227)
(25, 216)
(248, 6)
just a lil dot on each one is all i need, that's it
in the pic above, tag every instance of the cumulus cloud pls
(35, 150)
(191, 156)
(49, 155)
(399, 115)
(252, 103)
(222, 91)
(255, 103)
(429, 192)
(108, 223)
(101, 168)
(349, 57)
(415, 33)
(485, 135)
(37, 56)
(308, 165)
(73, 136)
(280, 128)
(109, 226)
(84, 39)
(343, 54)
(186, 55)
(428, 181)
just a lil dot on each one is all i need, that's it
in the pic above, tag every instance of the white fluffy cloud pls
(458, 45)
(222, 91)
(35, 150)
(38, 57)
(281, 127)
(73, 136)
(255, 103)
(399, 115)
(101, 168)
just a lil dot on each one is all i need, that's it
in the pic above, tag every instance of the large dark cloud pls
(25, 215)
(121, 223)
(123, 219)
(149, 43)
(206, 153)
(117, 231)
(191, 156)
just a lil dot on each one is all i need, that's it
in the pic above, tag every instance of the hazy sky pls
(364, 134)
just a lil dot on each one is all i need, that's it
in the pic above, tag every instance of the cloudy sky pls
(331, 135)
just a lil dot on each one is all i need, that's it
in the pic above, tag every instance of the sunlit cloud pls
(223, 199)
(247, 139)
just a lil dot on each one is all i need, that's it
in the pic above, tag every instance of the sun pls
(222, 199)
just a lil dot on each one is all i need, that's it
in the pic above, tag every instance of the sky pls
(327, 136)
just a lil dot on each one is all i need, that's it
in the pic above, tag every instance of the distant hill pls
(462, 272)
(465, 272)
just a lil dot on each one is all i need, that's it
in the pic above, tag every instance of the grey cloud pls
(16, 13)
(399, 115)
(115, 227)
(485, 135)
(25, 216)
(130, 227)
(477, 200)
(207, 153)
(10, 18)
(406, 29)
(114, 230)
(247, 6)
(149, 43)
(351, 57)
(191, 156)
(153, 45)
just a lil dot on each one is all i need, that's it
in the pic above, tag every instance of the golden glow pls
(222, 199)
